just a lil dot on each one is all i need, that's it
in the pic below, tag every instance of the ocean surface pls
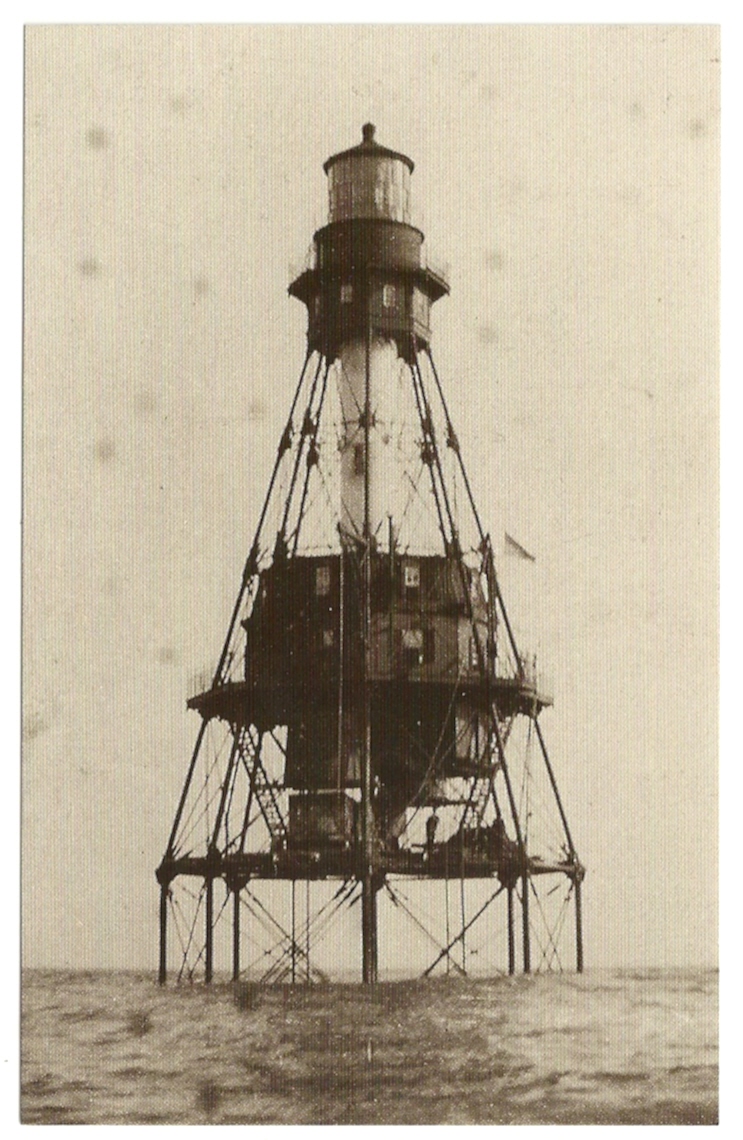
(614, 1047)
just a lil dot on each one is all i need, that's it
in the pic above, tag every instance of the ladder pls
(476, 804)
(263, 788)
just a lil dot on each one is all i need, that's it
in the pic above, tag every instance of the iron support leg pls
(236, 935)
(294, 931)
(578, 929)
(209, 960)
(446, 910)
(464, 919)
(307, 929)
(511, 933)
(163, 971)
(525, 923)
(369, 929)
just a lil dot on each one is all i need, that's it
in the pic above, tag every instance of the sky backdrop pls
(569, 177)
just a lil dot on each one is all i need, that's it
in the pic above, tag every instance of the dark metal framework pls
(371, 722)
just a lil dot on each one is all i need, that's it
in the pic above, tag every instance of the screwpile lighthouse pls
(371, 721)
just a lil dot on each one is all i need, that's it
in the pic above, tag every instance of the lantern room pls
(369, 181)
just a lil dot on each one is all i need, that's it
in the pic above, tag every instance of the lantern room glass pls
(369, 186)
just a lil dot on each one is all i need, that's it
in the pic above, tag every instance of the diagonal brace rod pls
(398, 902)
(463, 931)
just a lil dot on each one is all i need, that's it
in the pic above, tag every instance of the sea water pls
(614, 1047)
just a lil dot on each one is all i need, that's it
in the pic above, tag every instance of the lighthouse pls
(371, 719)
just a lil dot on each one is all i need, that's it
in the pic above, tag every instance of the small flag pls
(515, 548)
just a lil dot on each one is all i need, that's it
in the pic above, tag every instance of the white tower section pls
(369, 186)
(387, 496)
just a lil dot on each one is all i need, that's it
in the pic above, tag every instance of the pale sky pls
(569, 176)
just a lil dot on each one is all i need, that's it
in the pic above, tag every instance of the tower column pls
(368, 885)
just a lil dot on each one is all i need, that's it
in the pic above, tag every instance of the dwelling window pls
(420, 306)
(322, 581)
(417, 646)
(463, 737)
(412, 647)
(389, 296)
(328, 638)
(411, 576)
(346, 294)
